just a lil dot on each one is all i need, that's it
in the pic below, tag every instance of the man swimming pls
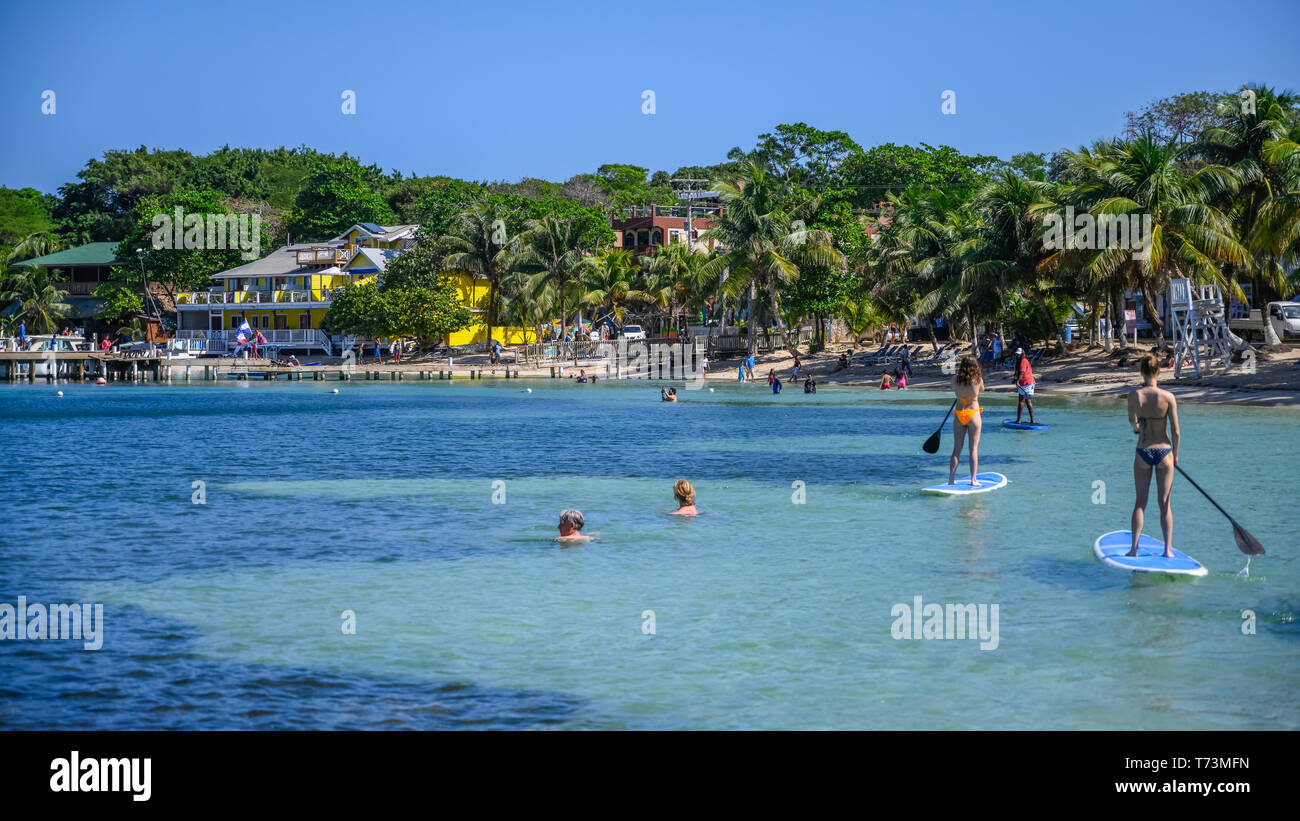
(571, 523)
(966, 384)
(1149, 409)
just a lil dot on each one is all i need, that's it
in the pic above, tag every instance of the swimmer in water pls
(1150, 407)
(669, 395)
(685, 498)
(571, 523)
(967, 384)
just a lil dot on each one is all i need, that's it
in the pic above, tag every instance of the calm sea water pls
(766, 613)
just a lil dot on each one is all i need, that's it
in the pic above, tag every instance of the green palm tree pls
(40, 303)
(761, 230)
(608, 281)
(550, 250)
(1261, 145)
(477, 245)
(35, 245)
(1190, 236)
(677, 278)
(1008, 255)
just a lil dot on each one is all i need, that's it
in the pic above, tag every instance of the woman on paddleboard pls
(967, 385)
(1150, 410)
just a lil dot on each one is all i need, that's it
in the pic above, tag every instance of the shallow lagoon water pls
(767, 613)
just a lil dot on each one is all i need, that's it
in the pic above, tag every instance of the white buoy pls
(101, 381)
(530, 390)
(710, 390)
(60, 393)
(336, 390)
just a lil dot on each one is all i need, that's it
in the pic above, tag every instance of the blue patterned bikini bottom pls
(1153, 456)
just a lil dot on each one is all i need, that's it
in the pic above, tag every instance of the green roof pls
(94, 253)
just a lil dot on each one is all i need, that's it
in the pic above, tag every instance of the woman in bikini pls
(967, 384)
(1149, 408)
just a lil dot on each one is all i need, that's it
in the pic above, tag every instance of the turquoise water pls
(767, 613)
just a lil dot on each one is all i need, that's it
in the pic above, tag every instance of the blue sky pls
(506, 89)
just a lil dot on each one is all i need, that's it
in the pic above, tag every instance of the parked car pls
(633, 332)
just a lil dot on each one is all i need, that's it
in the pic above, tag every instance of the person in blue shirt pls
(22, 335)
(749, 367)
(776, 384)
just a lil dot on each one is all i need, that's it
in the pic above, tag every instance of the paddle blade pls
(932, 444)
(1246, 543)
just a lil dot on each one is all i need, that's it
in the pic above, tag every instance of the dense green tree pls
(335, 196)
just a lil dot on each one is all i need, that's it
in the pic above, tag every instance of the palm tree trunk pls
(1157, 324)
(1117, 316)
(752, 342)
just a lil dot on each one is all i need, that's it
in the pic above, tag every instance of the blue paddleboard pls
(988, 481)
(1014, 425)
(1111, 547)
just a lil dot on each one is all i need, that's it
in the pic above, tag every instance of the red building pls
(643, 229)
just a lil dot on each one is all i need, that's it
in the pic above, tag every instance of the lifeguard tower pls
(1200, 326)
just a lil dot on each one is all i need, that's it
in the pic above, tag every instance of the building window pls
(235, 322)
(304, 321)
(281, 322)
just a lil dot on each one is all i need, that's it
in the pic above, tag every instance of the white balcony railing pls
(318, 296)
(285, 338)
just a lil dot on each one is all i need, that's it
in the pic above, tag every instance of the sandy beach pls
(1081, 371)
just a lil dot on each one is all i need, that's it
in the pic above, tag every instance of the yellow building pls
(287, 293)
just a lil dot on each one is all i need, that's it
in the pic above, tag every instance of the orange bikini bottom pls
(964, 416)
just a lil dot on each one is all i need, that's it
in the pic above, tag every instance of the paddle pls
(932, 444)
(1246, 543)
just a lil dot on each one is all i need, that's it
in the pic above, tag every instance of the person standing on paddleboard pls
(1150, 407)
(1024, 385)
(967, 385)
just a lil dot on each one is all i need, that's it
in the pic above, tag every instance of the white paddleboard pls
(1111, 547)
(962, 487)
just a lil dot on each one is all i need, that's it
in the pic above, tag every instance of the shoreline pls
(1083, 373)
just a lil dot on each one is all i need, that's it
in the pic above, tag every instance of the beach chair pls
(873, 358)
(1036, 355)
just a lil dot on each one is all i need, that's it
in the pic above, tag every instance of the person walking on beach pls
(966, 384)
(685, 498)
(1150, 410)
(379, 353)
(396, 350)
(797, 363)
(1024, 376)
(571, 523)
(905, 365)
(704, 366)
(749, 367)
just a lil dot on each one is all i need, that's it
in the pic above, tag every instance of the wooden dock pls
(80, 366)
